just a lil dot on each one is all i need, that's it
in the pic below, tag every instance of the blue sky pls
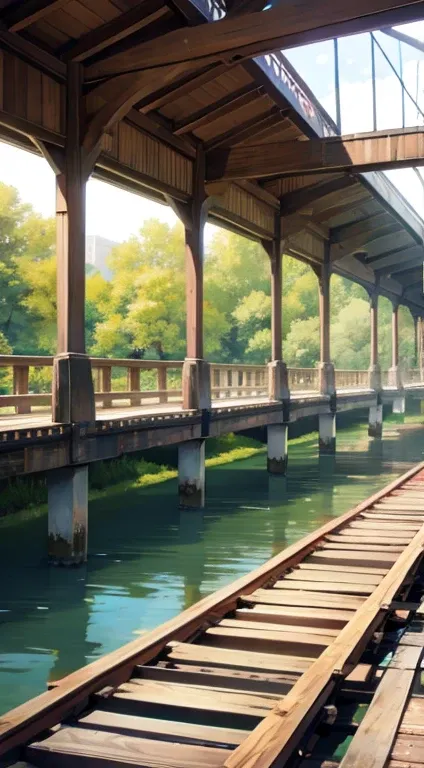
(116, 214)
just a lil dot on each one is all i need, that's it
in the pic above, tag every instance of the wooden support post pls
(196, 373)
(420, 340)
(374, 370)
(191, 473)
(67, 515)
(394, 372)
(20, 386)
(327, 384)
(163, 384)
(73, 392)
(278, 385)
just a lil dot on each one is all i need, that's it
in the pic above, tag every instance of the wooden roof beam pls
(390, 263)
(302, 198)
(186, 84)
(248, 130)
(257, 33)
(114, 31)
(369, 224)
(362, 241)
(23, 14)
(401, 148)
(224, 106)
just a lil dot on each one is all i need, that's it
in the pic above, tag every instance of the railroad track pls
(249, 676)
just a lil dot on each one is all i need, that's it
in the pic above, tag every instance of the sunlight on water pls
(148, 560)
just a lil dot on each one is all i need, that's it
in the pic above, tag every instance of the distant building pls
(97, 249)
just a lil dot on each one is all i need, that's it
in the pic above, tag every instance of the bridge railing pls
(27, 381)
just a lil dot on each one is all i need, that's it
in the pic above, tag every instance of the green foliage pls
(141, 311)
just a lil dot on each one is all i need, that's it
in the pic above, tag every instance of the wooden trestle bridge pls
(277, 668)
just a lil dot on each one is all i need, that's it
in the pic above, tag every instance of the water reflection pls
(148, 560)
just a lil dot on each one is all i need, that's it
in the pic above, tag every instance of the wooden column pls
(420, 342)
(20, 386)
(278, 388)
(374, 370)
(73, 392)
(196, 373)
(394, 372)
(326, 367)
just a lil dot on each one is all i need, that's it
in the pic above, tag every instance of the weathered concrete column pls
(67, 515)
(327, 384)
(191, 473)
(73, 392)
(327, 433)
(399, 404)
(277, 449)
(375, 420)
(374, 370)
(278, 386)
(394, 372)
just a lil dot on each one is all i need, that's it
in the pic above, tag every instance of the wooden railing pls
(303, 379)
(352, 379)
(238, 381)
(27, 381)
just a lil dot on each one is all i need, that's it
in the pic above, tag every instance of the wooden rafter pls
(301, 198)
(369, 224)
(116, 30)
(363, 152)
(184, 85)
(248, 130)
(362, 241)
(389, 263)
(257, 33)
(23, 14)
(224, 106)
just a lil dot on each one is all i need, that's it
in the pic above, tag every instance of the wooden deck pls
(264, 670)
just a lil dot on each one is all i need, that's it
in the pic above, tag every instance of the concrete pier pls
(277, 449)
(191, 473)
(67, 515)
(375, 421)
(327, 433)
(399, 404)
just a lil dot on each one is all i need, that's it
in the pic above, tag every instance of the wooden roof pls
(163, 84)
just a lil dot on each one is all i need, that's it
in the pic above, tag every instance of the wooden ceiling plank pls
(186, 85)
(32, 53)
(26, 13)
(362, 241)
(116, 30)
(257, 33)
(150, 126)
(399, 261)
(369, 224)
(362, 152)
(224, 106)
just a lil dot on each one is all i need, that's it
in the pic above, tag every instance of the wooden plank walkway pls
(249, 675)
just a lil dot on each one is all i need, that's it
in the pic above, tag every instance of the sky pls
(116, 215)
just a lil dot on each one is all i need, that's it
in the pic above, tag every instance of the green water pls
(148, 560)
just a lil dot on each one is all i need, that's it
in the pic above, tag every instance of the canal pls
(148, 560)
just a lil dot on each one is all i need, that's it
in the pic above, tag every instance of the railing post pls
(106, 384)
(163, 383)
(134, 384)
(20, 386)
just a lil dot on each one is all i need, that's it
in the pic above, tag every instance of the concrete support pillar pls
(375, 421)
(327, 383)
(374, 370)
(73, 391)
(191, 473)
(277, 449)
(399, 404)
(327, 433)
(67, 515)
(278, 385)
(394, 372)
